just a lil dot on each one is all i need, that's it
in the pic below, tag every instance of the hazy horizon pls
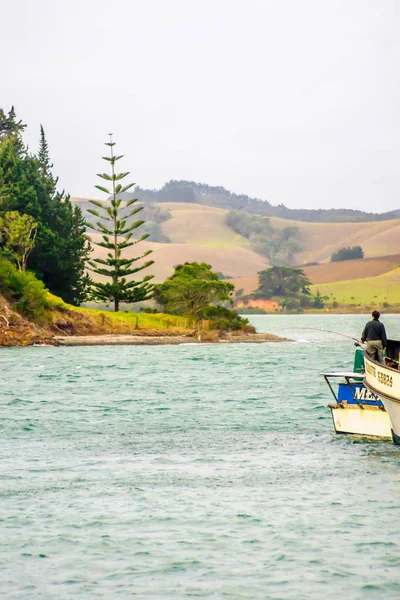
(294, 103)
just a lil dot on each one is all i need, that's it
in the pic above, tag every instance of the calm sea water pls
(197, 471)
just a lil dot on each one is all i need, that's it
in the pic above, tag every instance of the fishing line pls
(327, 330)
(339, 333)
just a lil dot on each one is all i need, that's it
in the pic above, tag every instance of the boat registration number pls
(385, 379)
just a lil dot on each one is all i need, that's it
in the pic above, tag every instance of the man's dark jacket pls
(374, 330)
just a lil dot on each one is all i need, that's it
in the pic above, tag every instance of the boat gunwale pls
(384, 368)
(378, 364)
(380, 394)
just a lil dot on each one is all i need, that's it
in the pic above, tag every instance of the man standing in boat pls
(375, 335)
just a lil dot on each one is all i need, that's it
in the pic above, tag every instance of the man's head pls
(376, 315)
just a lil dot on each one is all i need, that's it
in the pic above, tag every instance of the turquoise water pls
(195, 471)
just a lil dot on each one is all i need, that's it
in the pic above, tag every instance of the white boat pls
(385, 381)
(357, 410)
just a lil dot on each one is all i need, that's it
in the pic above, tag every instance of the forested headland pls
(46, 264)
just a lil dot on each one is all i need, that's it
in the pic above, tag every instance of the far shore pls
(332, 311)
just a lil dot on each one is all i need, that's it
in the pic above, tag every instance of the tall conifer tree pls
(9, 124)
(117, 230)
(43, 154)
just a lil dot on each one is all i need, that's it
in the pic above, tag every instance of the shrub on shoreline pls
(27, 294)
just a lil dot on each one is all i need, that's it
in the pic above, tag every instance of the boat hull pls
(361, 420)
(385, 382)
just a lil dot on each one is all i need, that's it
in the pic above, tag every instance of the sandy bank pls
(157, 340)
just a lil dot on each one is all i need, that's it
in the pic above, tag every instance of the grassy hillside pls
(248, 284)
(82, 321)
(200, 226)
(352, 269)
(205, 226)
(371, 291)
(320, 240)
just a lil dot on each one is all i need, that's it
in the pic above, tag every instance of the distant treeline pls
(200, 193)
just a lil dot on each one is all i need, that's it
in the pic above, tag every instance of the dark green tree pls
(17, 233)
(349, 253)
(28, 186)
(9, 125)
(282, 282)
(44, 156)
(319, 300)
(117, 230)
(64, 250)
(191, 288)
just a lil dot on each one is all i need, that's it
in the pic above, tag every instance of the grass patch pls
(203, 226)
(72, 320)
(370, 291)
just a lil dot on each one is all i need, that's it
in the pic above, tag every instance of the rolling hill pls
(381, 290)
(200, 225)
(204, 226)
(320, 240)
(197, 232)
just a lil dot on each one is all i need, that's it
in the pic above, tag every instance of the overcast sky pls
(293, 101)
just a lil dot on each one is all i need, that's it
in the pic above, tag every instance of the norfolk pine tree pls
(43, 157)
(117, 235)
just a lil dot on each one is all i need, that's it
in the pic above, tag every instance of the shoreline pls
(162, 340)
(334, 311)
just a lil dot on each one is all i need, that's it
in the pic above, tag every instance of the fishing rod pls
(328, 331)
(358, 342)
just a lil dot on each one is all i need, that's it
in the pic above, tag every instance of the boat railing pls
(351, 379)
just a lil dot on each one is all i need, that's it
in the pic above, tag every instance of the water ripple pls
(193, 471)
